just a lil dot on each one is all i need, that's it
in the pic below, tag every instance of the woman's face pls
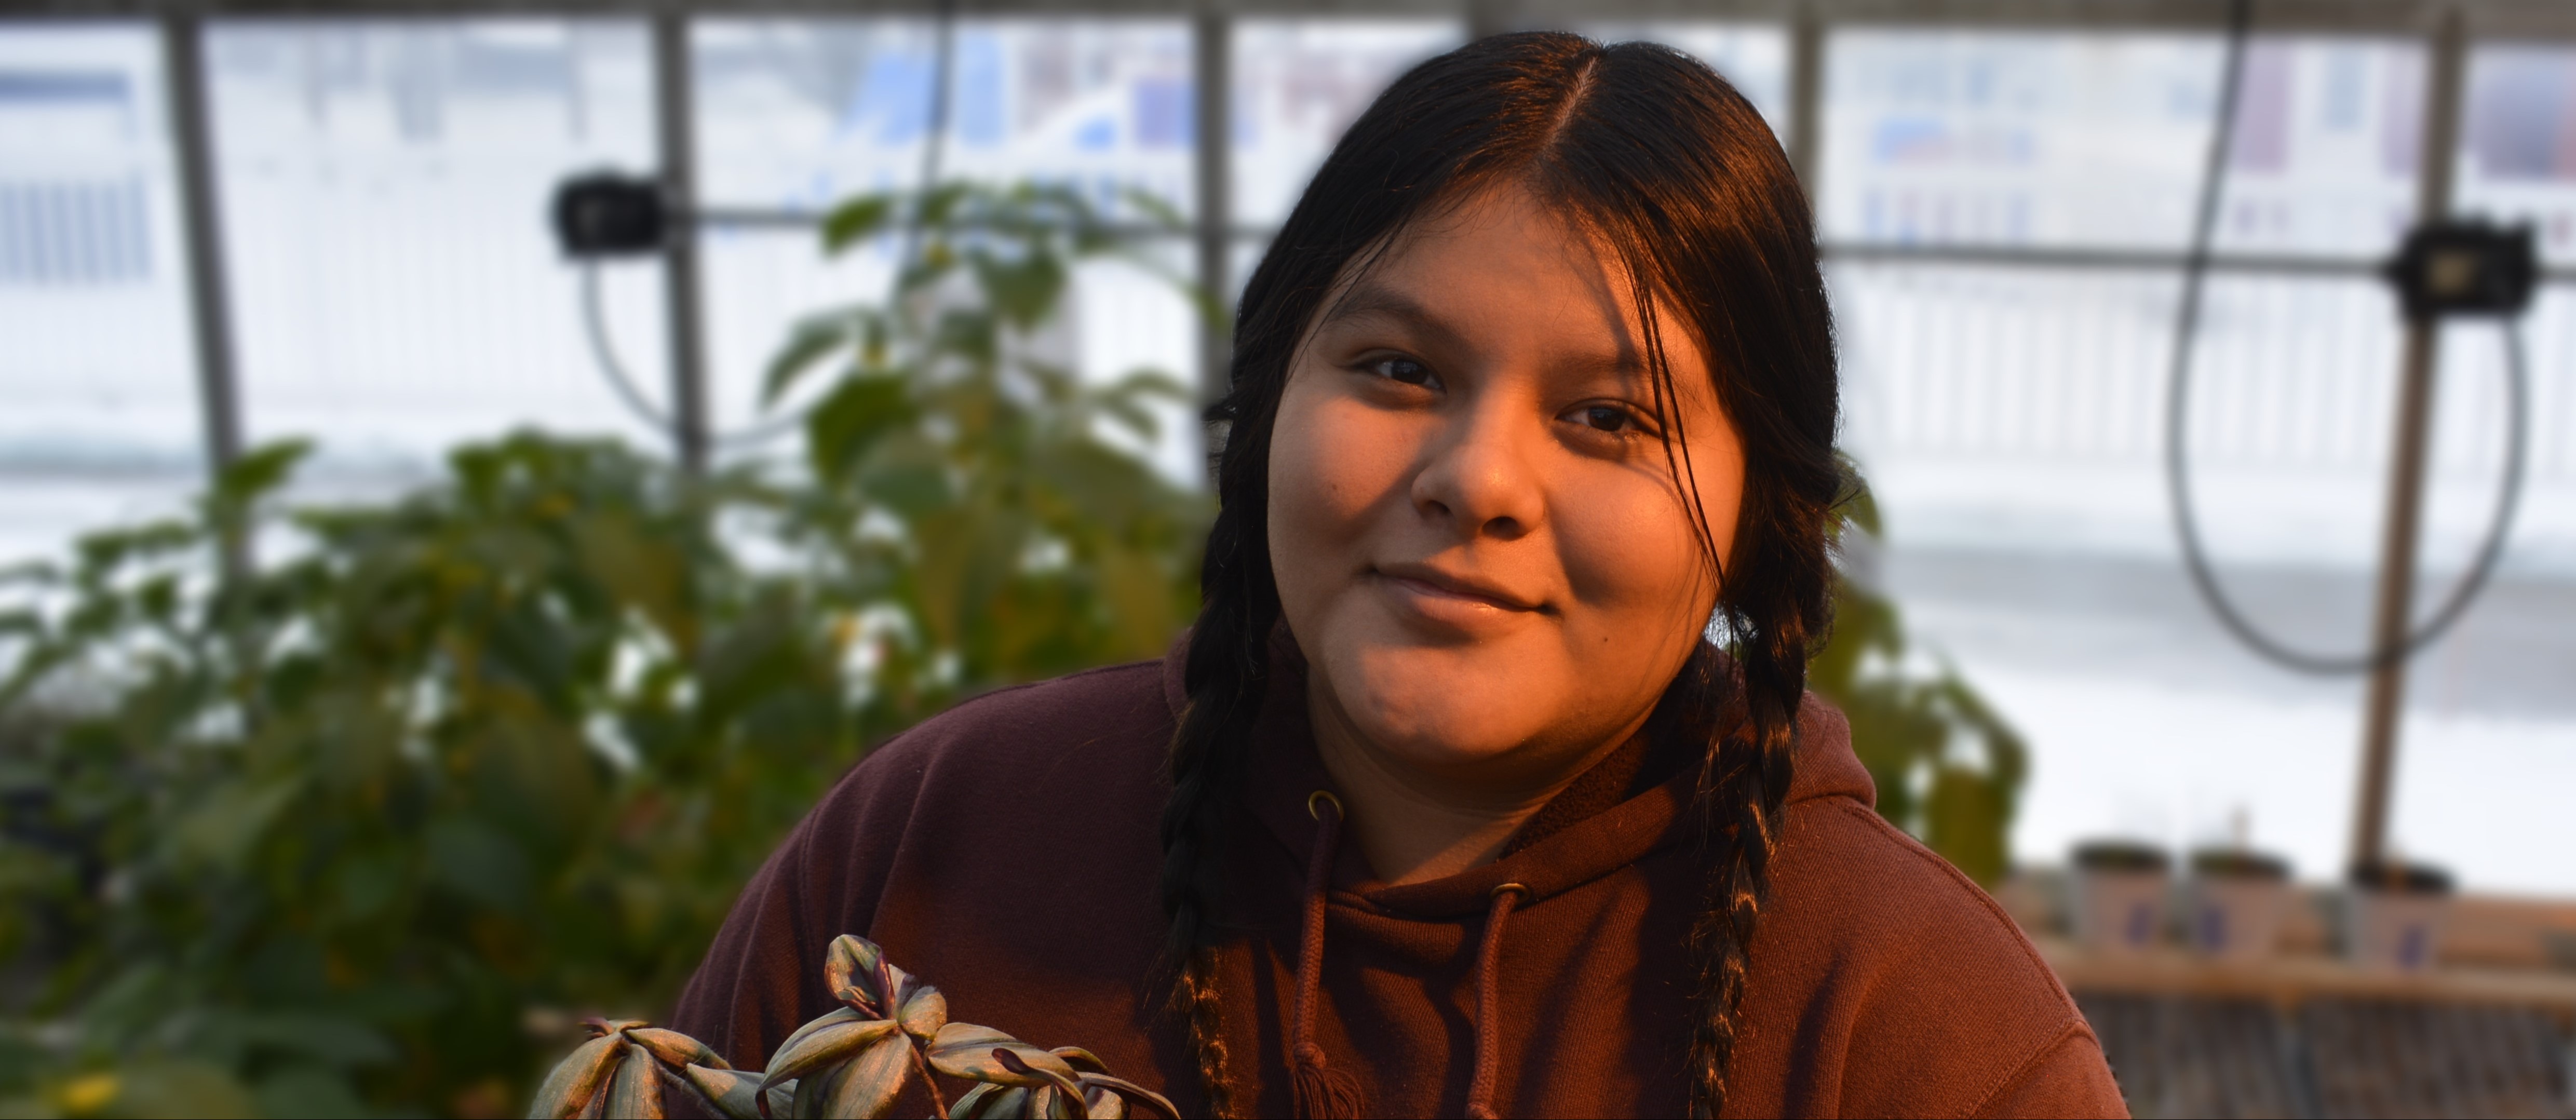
(1479, 542)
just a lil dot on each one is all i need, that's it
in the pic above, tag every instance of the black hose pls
(595, 317)
(2204, 578)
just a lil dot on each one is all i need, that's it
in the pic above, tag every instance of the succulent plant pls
(853, 1062)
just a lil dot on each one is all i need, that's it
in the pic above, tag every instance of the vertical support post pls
(1212, 77)
(673, 109)
(1491, 17)
(209, 306)
(1807, 98)
(2394, 614)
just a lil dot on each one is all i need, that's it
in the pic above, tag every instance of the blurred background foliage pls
(364, 827)
(1948, 767)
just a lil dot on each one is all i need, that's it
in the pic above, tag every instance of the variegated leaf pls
(827, 1047)
(966, 1050)
(826, 1020)
(1053, 1103)
(925, 1011)
(870, 1082)
(990, 1102)
(815, 1089)
(858, 974)
(733, 1092)
(674, 1048)
(635, 1090)
(1060, 1098)
(575, 1080)
(1083, 1061)
(1144, 1101)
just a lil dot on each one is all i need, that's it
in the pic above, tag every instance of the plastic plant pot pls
(2393, 917)
(2120, 893)
(2237, 901)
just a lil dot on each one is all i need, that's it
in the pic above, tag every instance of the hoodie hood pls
(1285, 769)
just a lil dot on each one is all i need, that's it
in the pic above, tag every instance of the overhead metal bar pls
(2481, 19)
(2079, 257)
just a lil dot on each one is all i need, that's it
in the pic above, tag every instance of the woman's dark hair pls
(1662, 161)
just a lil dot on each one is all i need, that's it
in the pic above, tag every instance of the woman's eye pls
(1602, 417)
(1405, 370)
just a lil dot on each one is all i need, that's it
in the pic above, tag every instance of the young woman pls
(1450, 802)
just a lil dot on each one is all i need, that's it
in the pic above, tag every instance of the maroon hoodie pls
(1006, 851)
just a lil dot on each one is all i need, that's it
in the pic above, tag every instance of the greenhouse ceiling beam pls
(2482, 19)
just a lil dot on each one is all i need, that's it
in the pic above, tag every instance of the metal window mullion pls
(1807, 101)
(682, 281)
(1213, 87)
(2400, 541)
(201, 238)
(190, 100)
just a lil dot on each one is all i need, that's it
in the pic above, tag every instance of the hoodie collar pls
(1285, 768)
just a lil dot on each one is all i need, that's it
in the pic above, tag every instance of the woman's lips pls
(1435, 586)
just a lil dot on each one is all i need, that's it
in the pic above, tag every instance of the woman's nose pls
(1482, 475)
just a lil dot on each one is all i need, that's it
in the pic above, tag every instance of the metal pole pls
(681, 283)
(2395, 610)
(1807, 98)
(1213, 70)
(209, 308)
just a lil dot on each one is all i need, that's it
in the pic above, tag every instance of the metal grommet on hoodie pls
(1325, 795)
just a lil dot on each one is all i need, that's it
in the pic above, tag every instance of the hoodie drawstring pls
(1324, 1093)
(1321, 1092)
(1489, 1057)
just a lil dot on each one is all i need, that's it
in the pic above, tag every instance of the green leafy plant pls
(890, 1032)
(1948, 768)
(336, 833)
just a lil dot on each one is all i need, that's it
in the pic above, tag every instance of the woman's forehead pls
(1503, 268)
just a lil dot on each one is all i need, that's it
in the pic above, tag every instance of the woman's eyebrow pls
(1377, 300)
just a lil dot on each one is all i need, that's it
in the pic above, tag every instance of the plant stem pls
(929, 1079)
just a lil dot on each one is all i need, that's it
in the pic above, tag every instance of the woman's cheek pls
(1334, 469)
(1632, 558)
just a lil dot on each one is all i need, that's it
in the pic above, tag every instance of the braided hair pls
(1672, 169)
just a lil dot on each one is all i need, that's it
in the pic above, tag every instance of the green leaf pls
(260, 471)
(1026, 290)
(849, 421)
(855, 220)
(231, 821)
(811, 341)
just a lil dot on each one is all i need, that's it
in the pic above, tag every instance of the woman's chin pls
(1443, 723)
